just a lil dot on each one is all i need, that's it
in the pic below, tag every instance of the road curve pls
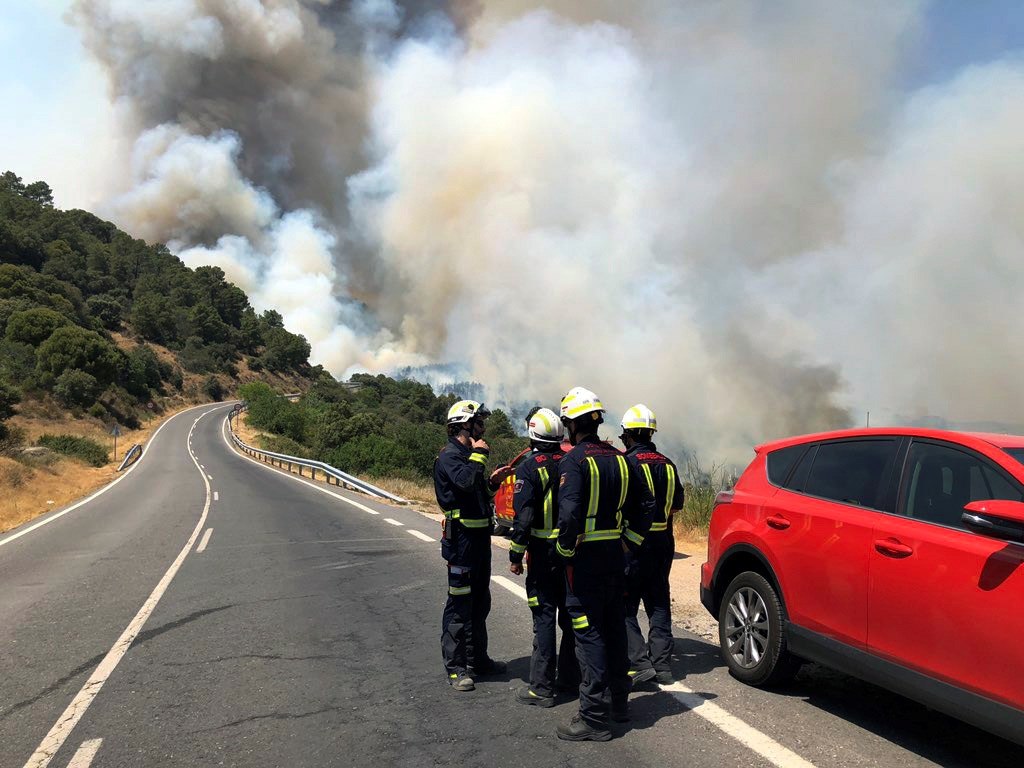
(301, 629)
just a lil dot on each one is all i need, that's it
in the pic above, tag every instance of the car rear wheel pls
(750, 623)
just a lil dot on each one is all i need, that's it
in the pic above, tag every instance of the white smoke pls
(728, 211)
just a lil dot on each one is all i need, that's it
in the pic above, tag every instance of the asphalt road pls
(306, 633)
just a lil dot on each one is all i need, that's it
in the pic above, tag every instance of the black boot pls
(526, 695)
(578, 730)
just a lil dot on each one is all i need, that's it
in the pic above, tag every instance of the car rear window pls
(783, 460)
(851, 471)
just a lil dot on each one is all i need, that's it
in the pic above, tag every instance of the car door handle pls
(893, 548)
(778, 522)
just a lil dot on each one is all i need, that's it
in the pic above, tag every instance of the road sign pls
(116, 431)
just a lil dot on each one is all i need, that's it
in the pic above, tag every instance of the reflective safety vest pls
(534, 501)
(600, 498)
(460, 486)
(662, 479)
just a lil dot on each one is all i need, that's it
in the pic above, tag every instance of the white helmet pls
(579, 402)
(466, 410)
(545, 427)
(640, 417)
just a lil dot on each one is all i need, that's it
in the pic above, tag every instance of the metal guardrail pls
(131, 456)
(289, 462)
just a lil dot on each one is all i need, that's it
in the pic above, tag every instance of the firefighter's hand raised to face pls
(480, 445)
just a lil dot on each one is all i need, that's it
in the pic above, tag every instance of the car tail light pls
(724, 497)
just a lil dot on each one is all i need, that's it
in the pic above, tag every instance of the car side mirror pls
(997, 518)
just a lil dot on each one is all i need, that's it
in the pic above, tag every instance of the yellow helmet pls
(579, 402)
(466, 410)
(640, 417)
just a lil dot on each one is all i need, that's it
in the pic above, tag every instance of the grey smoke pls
(764, 229)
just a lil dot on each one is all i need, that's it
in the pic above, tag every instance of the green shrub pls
(281, 444)
(97, 411)
(76, 388)
(34, 326)
(77, 447)
(75, 347)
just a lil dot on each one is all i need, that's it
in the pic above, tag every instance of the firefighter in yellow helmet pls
(603, 510)
(534, 531)
(462, 494)
(647, 577)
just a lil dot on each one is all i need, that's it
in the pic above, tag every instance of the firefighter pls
(647, 577)
(466, 546)
(534, 531)
(603, 510)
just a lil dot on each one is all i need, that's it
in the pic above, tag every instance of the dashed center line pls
(216, 495)
(419, 535)
(84, 756)
(393, 522)
(205, 540)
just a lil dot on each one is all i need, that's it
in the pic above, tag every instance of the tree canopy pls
(69, 280)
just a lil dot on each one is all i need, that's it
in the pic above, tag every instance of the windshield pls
(1017, 453)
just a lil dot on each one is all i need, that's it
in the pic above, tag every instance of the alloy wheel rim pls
(746, 628)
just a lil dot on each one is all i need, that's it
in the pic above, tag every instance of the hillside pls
(99, 329)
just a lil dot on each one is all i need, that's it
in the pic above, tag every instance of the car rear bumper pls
(707, 599)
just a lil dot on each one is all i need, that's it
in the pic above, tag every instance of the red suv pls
(895, 555)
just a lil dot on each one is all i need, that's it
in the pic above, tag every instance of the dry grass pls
(419, 493)
(31, 491)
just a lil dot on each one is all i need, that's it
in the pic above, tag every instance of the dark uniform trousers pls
(647, 581)
(463, 623)
(545, 592)
(594, 598)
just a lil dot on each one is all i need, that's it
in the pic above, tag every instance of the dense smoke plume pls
(729, 211)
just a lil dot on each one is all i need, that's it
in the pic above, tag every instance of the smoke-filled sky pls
(759, 218)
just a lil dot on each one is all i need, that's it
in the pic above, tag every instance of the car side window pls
(850, 471)
(780, 463)
(939, 480)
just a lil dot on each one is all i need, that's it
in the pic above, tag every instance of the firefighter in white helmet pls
(466, 546)
(648, 575)
(534, 530)
(603, 509)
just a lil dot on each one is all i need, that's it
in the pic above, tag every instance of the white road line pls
(60, 731)
(393, 522)
(209, 477)
(216, 495)
(296, 478)
(85, 754)
(747, 735)
(419, 535)
(205, 540)
(102, 490)
(510, 585)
